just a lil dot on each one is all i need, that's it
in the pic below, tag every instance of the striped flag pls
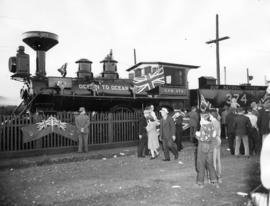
(185, 124)
(149, 81)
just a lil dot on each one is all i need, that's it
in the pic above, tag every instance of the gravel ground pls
(121, 180)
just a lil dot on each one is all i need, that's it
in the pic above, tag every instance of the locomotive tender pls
(157, 83)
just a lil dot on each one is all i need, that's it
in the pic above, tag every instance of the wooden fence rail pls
(105, 128)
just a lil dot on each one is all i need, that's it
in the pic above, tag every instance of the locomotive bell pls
(19, 64)
(85, 68)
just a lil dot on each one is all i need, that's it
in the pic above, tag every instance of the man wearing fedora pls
(82, 123)
(167, 134)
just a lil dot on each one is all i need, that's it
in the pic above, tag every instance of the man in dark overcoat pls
(142, 144)
(178, 120)
(167, 134)
(230, 128)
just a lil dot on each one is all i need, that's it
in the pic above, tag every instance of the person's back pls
(230, 121)
(223, 116)
(241, 124)
(194, 118)
(242, 127)
(263, 121)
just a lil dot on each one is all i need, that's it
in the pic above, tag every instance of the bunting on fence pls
(45, 127)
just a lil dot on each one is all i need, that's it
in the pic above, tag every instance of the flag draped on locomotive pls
(157, 83)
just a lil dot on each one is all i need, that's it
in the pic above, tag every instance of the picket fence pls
(105, 129)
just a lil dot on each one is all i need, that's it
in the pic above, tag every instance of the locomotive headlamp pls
(19, 64)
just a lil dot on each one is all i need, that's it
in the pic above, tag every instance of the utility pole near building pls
(225, 77)
(216, 41)
(135, 58)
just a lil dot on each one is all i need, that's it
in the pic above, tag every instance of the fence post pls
(110, 127)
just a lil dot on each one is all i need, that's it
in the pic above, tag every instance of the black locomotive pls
(157, 83)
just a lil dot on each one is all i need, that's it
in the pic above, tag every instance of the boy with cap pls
(167, 134)
(82, 123)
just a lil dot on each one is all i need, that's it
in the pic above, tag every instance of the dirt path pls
(127, 180)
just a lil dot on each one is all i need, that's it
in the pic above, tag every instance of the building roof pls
(163, 63)
(207, 77)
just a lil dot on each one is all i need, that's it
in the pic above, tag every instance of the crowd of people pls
(238, 126)
(250, 126)
(243, 128)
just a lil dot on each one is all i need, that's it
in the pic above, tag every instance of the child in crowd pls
(205, 137)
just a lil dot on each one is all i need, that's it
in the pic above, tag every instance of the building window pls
(168, 79)
(180, 78)
(138, 72)
(147, 70)
(154, 69)
(177, 76)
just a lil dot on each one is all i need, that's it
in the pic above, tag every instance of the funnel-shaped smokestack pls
(41, 42)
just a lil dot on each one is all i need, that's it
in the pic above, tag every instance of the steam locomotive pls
(157, 83)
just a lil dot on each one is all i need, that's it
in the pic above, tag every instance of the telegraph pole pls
(134, 54)
(216, 41)
(225, 77)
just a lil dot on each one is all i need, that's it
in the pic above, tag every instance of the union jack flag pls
(204, 104)
(149, 81)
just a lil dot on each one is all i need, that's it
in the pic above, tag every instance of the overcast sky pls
(173, 31)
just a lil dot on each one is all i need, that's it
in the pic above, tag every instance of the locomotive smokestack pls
(41, 42)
